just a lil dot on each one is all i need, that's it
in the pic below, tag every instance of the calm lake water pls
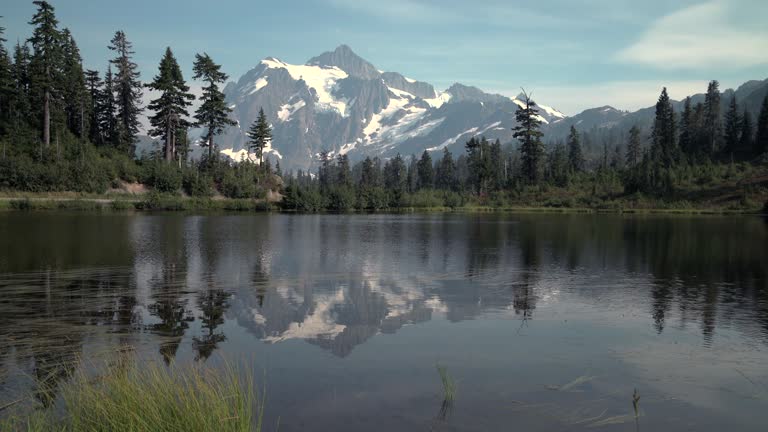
(546, 322)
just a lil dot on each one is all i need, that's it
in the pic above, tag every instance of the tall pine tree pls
(6, 83)
(45, 64)
(76, 104)
(213, 113)
(575, 154)
(107, 111)
(634, 150)
(712, 123)
(93, 85)
(127, 87)
(686, 129)
(260, 136)
(732, 128)
(761, 138)
(746, 134)
(170, 108)
(426, 172)
(446, 172)
(663, 146)
(528, 133)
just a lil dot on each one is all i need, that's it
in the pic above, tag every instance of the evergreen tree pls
(732, 129)
(20, 101)
(446, 172)
(712, 123)
(528, 133)
(686, 129)
(260, 135)
(343, 171)
(575, 154)
(76, 104)
(497, 165)
(107, 111)
(368, 177)
(395, 178)
(94, 86)
(325, 172)
(213, 113)
(634, 151)
(663, 147)
(413, 175)
(45, 64)
(761, 139)
(426, 172)
(559, 165)
(746, 134)
(127, 92)
(170, 108)
(6, 82)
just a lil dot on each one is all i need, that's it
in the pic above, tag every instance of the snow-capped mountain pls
(341, 103)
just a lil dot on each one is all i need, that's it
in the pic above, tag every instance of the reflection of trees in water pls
(212, 305)
(168, 290)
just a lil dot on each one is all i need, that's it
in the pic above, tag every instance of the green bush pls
(164, 177)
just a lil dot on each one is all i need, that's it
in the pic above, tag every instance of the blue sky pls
(573, 55)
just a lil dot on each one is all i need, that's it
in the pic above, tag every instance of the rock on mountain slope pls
(341, 103)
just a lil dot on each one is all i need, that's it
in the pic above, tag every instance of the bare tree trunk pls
(47, 118)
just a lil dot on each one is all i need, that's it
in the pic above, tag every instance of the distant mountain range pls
(341, 103)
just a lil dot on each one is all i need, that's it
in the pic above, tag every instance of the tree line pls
(59, 121)
(694, 146)
(63, 127)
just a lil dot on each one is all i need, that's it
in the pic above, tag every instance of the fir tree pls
(20, 101)
(6, 82)
(170, 108)
(575, 154)
(732, 129)
(761, 139)
(426, 172)
(107, 111)
(260, 135)
(343, 171)
(712, 122)
(76, 101)
(94, 87)
(395, 179)
(497, 162)
(634, 151)
(559, 165)
(686, 129)
(528, 133)
(45, 64)
(368, 177)
(213, 113)
(127, 87)
(663, 147)
(746, 134)
(446, 172)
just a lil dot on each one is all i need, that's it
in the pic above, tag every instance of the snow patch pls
(438, 101)
(450, 141)
(322, 79)
(287, 110)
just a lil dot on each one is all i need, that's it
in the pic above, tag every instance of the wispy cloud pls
(703, 35)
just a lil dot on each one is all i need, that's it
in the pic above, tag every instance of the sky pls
(572, 55)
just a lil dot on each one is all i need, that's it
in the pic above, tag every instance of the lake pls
(544, 321)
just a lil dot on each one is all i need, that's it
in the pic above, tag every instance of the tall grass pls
(130, 396)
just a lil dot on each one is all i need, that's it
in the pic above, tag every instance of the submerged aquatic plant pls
(135, 396)
(449, 386)
(635, 402)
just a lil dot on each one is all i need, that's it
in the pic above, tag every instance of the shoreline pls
(85, 202)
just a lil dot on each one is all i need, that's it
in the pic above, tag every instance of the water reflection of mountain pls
(76, 281)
